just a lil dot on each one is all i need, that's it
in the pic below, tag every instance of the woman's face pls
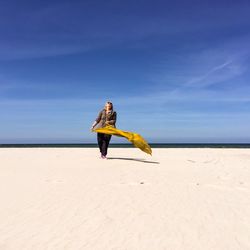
(108, 106)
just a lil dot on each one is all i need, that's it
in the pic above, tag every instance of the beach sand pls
(69, 199)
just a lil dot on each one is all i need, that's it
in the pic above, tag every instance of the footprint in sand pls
(191, 161)
(218, 187)
(205, 162)
(132, 183)
(54, 181)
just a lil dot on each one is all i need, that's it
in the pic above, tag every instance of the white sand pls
(62, 198)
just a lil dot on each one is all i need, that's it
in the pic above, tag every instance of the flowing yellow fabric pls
(136, 139)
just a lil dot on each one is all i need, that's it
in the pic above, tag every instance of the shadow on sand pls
(132, 159)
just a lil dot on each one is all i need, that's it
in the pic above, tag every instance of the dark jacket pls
(103, 117)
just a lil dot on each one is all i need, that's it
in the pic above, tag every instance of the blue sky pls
(176, 71)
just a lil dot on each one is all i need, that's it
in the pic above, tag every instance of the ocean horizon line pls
(125, 145)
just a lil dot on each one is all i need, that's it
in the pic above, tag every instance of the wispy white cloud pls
(218, 74)
(219, 64)
(154, 99)
(205, 79)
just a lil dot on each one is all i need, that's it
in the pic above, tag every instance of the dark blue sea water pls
(123, 145)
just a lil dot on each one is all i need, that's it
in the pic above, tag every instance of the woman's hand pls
(93, 125)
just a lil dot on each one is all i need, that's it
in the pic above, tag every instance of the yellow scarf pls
(136, 139)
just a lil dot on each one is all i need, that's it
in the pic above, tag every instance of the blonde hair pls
(108, 102)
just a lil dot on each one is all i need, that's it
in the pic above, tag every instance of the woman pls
(105, 117)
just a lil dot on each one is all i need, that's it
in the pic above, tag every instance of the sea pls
(125, 145)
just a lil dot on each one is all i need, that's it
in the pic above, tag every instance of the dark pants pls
(103, 142)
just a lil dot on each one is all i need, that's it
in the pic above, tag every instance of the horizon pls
(124, 141)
